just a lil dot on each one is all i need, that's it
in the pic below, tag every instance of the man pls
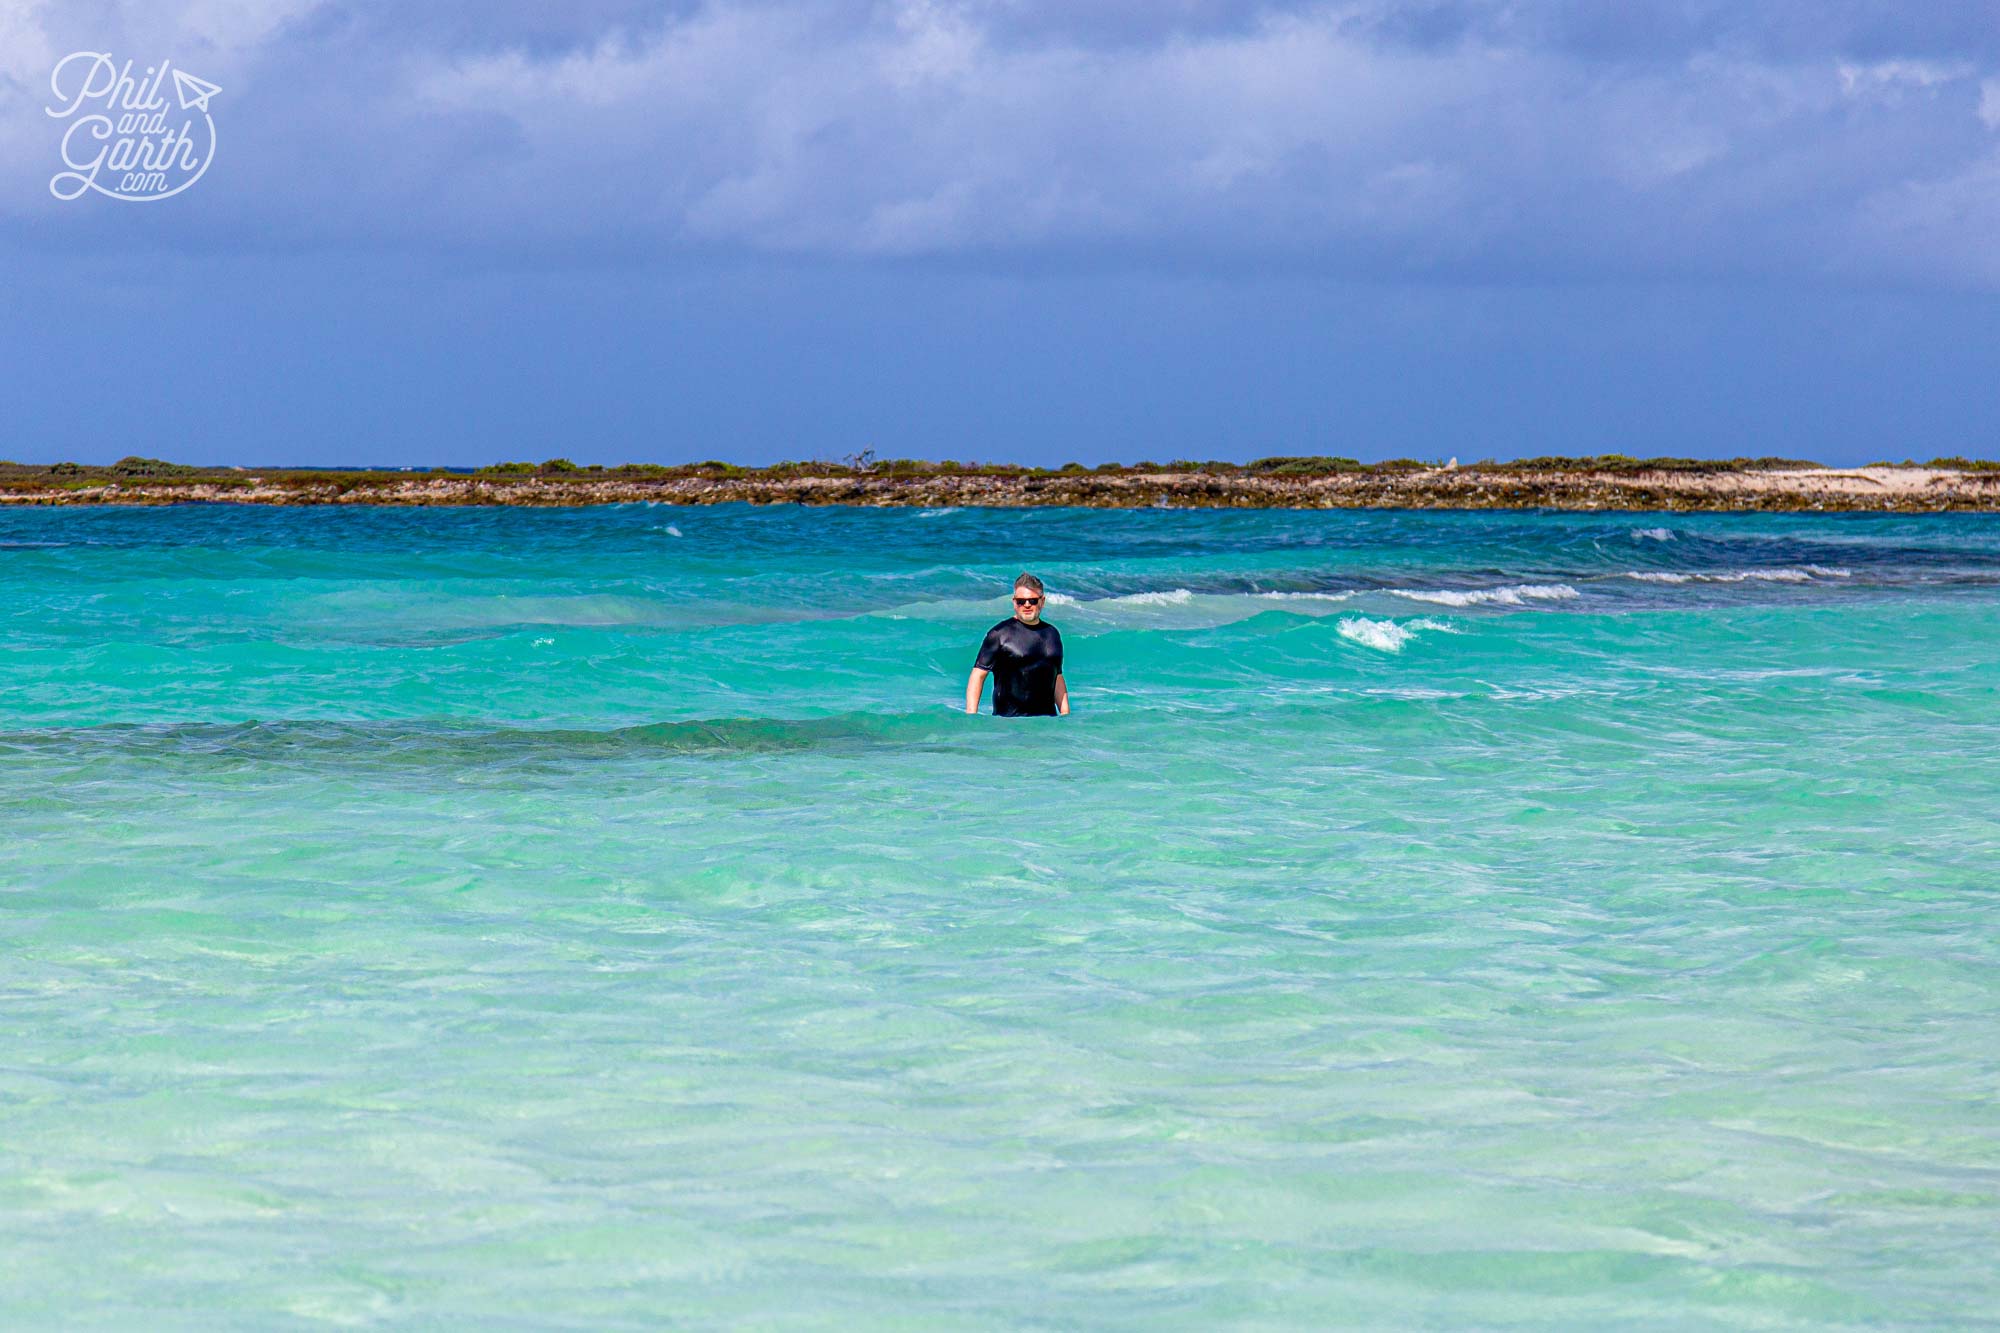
(1024, 657)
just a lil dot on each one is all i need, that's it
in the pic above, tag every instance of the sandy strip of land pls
(1899, 489)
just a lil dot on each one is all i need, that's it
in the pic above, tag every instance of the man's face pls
(1027, 605)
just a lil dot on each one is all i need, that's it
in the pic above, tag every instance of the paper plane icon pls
(194, 92)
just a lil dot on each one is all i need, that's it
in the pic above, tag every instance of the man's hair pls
(1028, 581)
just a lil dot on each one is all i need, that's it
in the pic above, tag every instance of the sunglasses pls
(1027, 601)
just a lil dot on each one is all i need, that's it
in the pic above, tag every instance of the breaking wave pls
(1173, 597)
(1518, 595)
(1785, 574)
(1387, 636)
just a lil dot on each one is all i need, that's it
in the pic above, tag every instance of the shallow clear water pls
(508, 918)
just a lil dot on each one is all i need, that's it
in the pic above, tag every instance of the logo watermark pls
(126, 138)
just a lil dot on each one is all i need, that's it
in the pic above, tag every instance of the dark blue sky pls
(1016, 229)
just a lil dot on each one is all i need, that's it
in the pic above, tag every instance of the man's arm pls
(973, 685)
(1062, 695)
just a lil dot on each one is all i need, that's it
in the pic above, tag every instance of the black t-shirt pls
(1025, 661)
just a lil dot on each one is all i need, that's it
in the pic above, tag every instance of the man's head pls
(1027, 599)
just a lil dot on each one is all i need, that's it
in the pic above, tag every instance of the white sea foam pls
(1517, 595)
(670, 530)
(1766, 576)
(1386, 635)
(1653, 534)
(1783, 574)
(1174, 597)
(1305, 596)
(1060, 599)
(1383, 635)
(938, 513)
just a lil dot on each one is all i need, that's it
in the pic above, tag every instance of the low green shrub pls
(134, 466)
(1301, 465)
(1627, 463)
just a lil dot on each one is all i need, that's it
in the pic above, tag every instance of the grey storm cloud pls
(1493, 139)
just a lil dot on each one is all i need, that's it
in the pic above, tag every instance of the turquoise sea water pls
(604, 918)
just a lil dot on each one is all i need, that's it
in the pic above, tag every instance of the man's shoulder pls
(1000, 627)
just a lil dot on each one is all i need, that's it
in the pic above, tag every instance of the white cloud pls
(1891, 79)
(26, 54)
